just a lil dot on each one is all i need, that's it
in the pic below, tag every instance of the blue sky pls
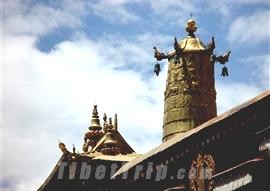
(62, 57)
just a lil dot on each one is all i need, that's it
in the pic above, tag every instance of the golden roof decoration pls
(95, 120)
(62, 147)
(110, 145)
(115, 122)
(106, 140)
(191, 26)
(112, 138)
(191, 44)
(95, 131)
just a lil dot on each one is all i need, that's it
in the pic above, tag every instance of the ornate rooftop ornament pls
(95, 125)
(115, 122)
(73, 152)
(110, 126)
(190, 92)
(110, 145)
(62, 147)
(189, 44)
(191, 27)
(105, 124)
(95, 131)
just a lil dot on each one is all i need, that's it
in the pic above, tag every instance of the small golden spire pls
(73, 148)
(74, 152)
(105, 124)
(110, 125)
(115, 122)
(110, 121)
(191, 27)
(62, 147)
(105, 117)
(95, 125)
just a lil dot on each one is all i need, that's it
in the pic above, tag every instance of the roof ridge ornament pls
(62, 147)
(95, 124)
(95, 131)
(105, 124)
(180, 48)
(191, 27)
(115, 122)
(110, 125)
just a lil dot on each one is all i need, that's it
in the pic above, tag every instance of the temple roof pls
(261, 99)
(191, 44)
(111, 139)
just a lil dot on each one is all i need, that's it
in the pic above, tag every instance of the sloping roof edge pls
(55, 169)
(181, 137)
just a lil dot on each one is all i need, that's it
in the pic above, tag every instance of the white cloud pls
(48, 96)
(258, 2)
(167, 11)
(260, 69)
(114, 11)
(232, 94)
(250, 29)
(20, 17)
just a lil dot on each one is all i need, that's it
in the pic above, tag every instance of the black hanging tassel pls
(157, 68)
(224, 71)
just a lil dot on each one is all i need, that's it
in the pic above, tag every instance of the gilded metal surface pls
(190, 44)
(109, 139)
(95, 124)
(191, 26)
(95, 131)
(190, 95)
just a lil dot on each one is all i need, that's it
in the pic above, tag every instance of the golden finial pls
(95, 120)
(191, 27)
(110, 125)
(62, 147)
(105, 117)
(115, 122)
(74, 152)
(95, 112)
(105, 124)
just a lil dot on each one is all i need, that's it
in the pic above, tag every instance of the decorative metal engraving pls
(202, 168)
(190, 81)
